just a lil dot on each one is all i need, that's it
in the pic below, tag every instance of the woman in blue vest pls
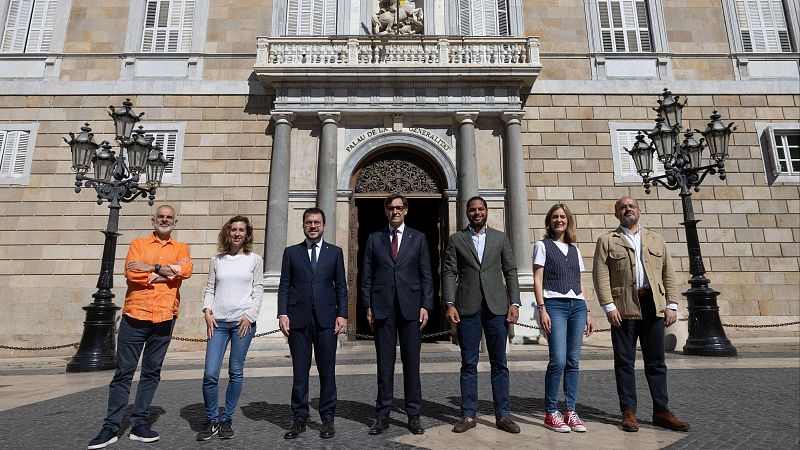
(563, 314)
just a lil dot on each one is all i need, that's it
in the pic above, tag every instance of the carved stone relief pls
(393, 19)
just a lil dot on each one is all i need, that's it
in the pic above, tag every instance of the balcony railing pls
(364, 56)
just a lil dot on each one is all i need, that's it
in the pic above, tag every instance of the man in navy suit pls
(397, 291)
(312, 310)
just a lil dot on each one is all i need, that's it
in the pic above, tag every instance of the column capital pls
(282, 116)
(512, 117)
(466, 116)
(330, 116)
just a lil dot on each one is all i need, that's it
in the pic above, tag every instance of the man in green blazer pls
(481, 291)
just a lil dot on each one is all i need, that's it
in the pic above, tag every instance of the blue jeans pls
(568, 322)
(137, 338)
(215, 351)
(469, 338)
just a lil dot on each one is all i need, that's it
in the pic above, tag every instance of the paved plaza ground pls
(751, 401)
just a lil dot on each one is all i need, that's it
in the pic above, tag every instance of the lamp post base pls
(706, 335)
(97, 350)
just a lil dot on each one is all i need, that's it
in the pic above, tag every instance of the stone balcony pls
(405, 60)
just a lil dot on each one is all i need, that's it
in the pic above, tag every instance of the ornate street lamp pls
(116, 179)
(683, 170)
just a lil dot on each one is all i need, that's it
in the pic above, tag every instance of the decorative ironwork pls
(398, 173)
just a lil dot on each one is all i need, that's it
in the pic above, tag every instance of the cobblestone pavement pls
(727, 408)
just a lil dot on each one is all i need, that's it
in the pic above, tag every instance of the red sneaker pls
(574, 422)
(555, 422)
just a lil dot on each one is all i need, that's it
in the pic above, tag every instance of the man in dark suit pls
(477, 262)
(397, 291)
(312, 310)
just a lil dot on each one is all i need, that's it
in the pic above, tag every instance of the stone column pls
(278, 212)
(517, 219)
(466, 163)
(326, 171)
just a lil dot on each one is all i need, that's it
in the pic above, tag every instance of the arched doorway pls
(406, 171)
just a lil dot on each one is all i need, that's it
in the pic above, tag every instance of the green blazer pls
(467, 282)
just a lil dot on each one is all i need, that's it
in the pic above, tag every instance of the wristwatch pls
(156, 268)
(540, 306)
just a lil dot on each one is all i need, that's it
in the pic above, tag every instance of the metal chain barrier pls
(369, 336)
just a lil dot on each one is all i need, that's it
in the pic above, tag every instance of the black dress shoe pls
(415, 425)
(379, 427)
(295, 430)
(327, 430)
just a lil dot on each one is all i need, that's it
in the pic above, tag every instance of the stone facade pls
(49, 241)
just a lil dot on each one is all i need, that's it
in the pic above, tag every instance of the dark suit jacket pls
(467, 282)
(408, 279)
(300, 288)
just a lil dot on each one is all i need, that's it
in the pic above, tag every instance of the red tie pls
(394, 244)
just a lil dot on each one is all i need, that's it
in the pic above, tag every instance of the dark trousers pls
(324, 342)
(650, 333)
(137, 338)
(469, 338)
(386, 334)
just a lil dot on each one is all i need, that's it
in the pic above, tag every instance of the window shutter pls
(16, 29)
(490, 18)
(168, 142)
(330, 17)
(763, 26)
(40, 34)
(744, 25)
(168, 26)
(465, 17)
(503, 28)
(626, 139)
(187, 19)
(317, 17)
(5, 154)
(624, 26)
(291, 17)
(14, 148)
(769, 141)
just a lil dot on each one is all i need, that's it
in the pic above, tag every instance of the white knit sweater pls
(235, 287)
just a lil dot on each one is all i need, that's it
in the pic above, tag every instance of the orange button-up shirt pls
(155, 302)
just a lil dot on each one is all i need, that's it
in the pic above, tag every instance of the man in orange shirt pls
(155, 267)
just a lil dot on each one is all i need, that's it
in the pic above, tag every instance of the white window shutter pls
(503, 28)
(330, 17)
(187, 21)
(490, 18)
(626, 139)
(168, 26)
(42, 23)
(5, 154)
(21, 153)
(772, 151)
(14, 148)
(465, 9)
(16, 29)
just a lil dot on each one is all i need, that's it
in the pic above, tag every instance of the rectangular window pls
(783, 151)
(483, 17)
(624, 26)
(16, 152)
(168, 26)
(170, 137)
(29, 26)
(762, 24)
(311, 17)
(624, 136)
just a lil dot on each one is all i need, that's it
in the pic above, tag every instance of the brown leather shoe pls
(464, 424)
(508, 425)
(668, 420)
(629, 422)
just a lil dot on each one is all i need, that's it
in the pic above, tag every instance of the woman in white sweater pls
(231, 304)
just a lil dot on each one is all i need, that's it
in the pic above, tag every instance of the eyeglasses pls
(395, 208)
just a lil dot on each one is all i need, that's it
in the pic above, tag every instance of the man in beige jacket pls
(635, 283)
